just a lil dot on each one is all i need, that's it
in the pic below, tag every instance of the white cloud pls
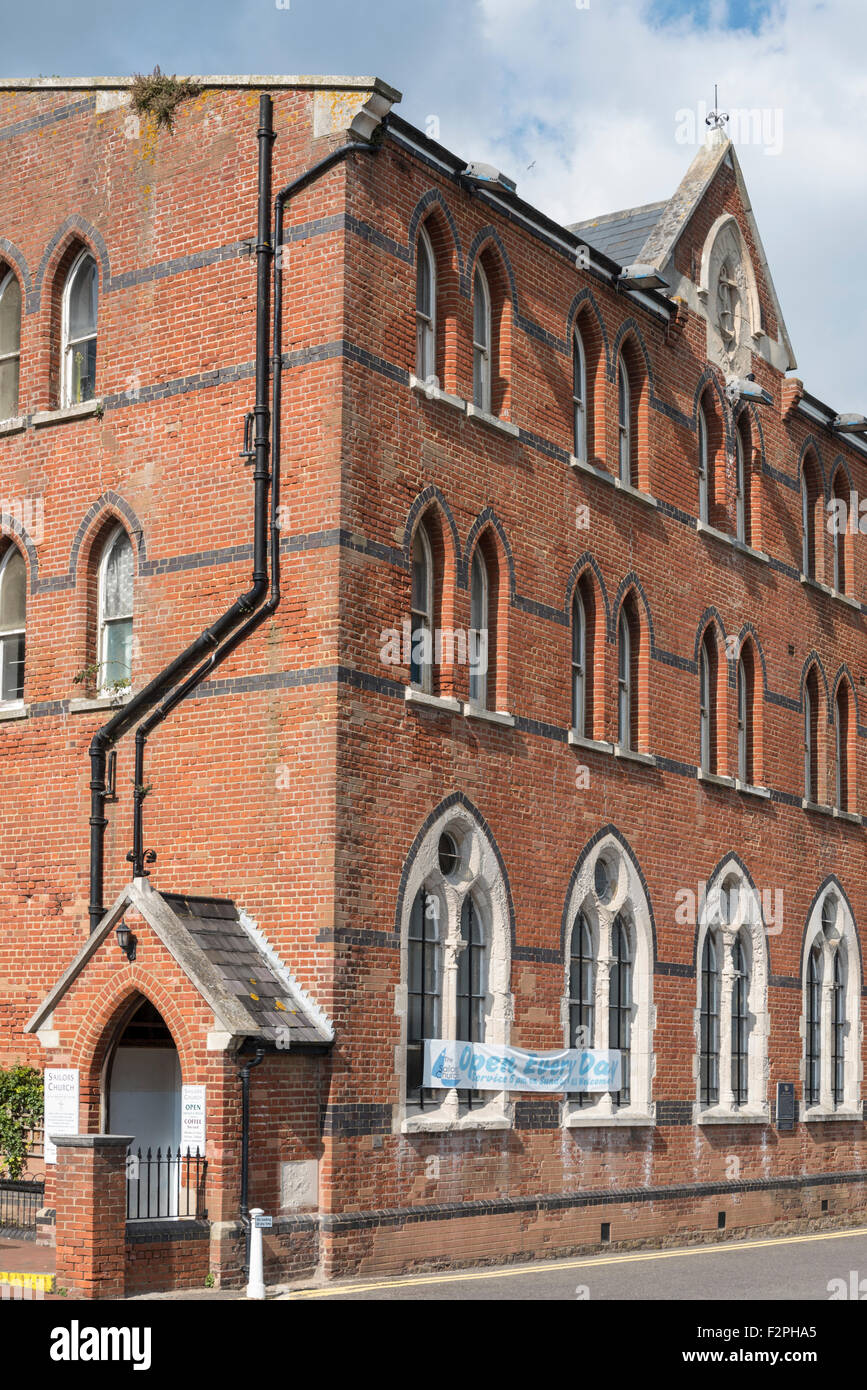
(591, 96)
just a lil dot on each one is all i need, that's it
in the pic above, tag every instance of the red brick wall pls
(299, 796)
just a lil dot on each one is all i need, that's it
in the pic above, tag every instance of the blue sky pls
(580, 100)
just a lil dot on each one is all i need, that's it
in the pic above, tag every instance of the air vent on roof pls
(641, 277)
(487, 174)
(850, 424)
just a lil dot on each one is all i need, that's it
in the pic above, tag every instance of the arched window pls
(731, 1020)
(421, 617)
(813, 1038)
(481, 341)
(10, 343)
(842, 718)
(707, 685)
(740, 1023)
(811, 737)
(624, 423)
(746, 743)
(425, 308)
(471, 985)
(579, 397)
(628, 670)
(479, 630)
(13, 603)
(115, 612)
(620, 1004)
(832, 987)
(582, 990)
(424, 990)
(742, 529)
(838, 1030)
(455, 967)
(839, 532)
(579, 665)
(79, 331)
(809, 498)
(624, 681)
(609, 979)
(703, 468)
(709, 1040)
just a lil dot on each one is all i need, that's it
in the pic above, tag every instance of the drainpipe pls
(244, 1074)
(140, 856)
(208, 642)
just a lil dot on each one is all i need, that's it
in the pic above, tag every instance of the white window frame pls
(625, 693)
(425, 615)
(5, 281)
(740, 488)
(104, 623)
(731, 909)
(744, 721)
(628, 900)
(811, 793)
(624, 421)
(477, 874)
(840, 753)
(703, 469)
(426, 324)
(838, 941)
(482, 349)
(807, 559)
(480, 635)
(704, 705)
(579, 397)
(838, 540)
(12, 552)
(579, 666)
(69, 344)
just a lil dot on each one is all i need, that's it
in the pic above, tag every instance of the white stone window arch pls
(831, 940)
(731, 911)
(608, 895)
(79, 329)
(456, 867)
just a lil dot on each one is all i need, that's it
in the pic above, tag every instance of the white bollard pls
(256, 1285)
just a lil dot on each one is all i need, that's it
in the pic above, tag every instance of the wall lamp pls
(125, 940)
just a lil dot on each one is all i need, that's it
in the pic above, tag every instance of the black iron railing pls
(19, 1203)
(165, 1186)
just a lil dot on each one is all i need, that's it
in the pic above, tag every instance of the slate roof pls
(249, 971)
(621, 235)
(230, 962)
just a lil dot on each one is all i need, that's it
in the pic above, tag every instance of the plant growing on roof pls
(158, 95)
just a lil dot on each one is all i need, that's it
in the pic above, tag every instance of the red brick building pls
(615, 784)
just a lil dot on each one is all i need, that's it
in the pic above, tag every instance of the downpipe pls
(207, 644)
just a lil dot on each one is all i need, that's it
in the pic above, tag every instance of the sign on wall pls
(61, 1106)
(193, 1119)
(484, 1067)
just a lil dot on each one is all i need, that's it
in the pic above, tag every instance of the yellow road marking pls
(596, 1262)
(29, 1281)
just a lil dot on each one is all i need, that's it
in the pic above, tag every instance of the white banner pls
(484, 1067)
(61, 1106)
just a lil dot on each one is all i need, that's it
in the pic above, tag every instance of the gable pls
(707, 246)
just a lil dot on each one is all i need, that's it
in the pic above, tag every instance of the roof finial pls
(716, 119)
